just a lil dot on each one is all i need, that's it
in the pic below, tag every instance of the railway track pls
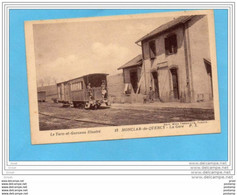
(79, 120)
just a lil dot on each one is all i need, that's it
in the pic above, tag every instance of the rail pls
(79, 120)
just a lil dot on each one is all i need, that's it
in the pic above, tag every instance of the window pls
(152, 49)
(171, 45)
(73, 87)
(80, 86)
(77, 86)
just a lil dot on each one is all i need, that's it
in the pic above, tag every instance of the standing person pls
(103, 89)
(151, 95)
(89, 89)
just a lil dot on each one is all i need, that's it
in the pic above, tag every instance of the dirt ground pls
(55, 116)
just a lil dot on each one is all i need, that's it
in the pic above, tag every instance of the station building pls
(175, 63)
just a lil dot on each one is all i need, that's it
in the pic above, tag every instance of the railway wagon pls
(41, 96)
(88, 91)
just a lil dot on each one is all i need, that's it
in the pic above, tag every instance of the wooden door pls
(155, 77)
(134, 80)
(175, 83)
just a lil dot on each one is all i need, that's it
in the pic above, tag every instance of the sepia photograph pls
(123, 71)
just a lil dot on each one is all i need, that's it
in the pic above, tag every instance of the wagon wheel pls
(74, 104)
(87, 106)
(81, 106)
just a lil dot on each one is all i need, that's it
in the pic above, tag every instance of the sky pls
(68, 50)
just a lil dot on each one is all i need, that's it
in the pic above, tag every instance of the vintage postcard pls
(120, 77)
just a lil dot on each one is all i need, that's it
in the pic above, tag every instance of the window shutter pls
(175, 43)
(166, 46)
(152, 49)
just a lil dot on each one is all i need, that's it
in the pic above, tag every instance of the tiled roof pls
(166, 26)
(137, 61)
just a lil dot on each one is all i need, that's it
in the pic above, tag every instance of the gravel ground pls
(54, 116)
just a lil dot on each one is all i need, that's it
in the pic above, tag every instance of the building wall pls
(127, 73)
(163, 63)
(199, 49)
(51, 91)
(194, 83)
(115, 86)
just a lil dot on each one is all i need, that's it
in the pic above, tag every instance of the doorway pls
(175, 82)
(209, 74)
(134, 80)
(155, 77)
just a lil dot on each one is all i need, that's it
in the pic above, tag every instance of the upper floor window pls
(171, 44)
(152, 49)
